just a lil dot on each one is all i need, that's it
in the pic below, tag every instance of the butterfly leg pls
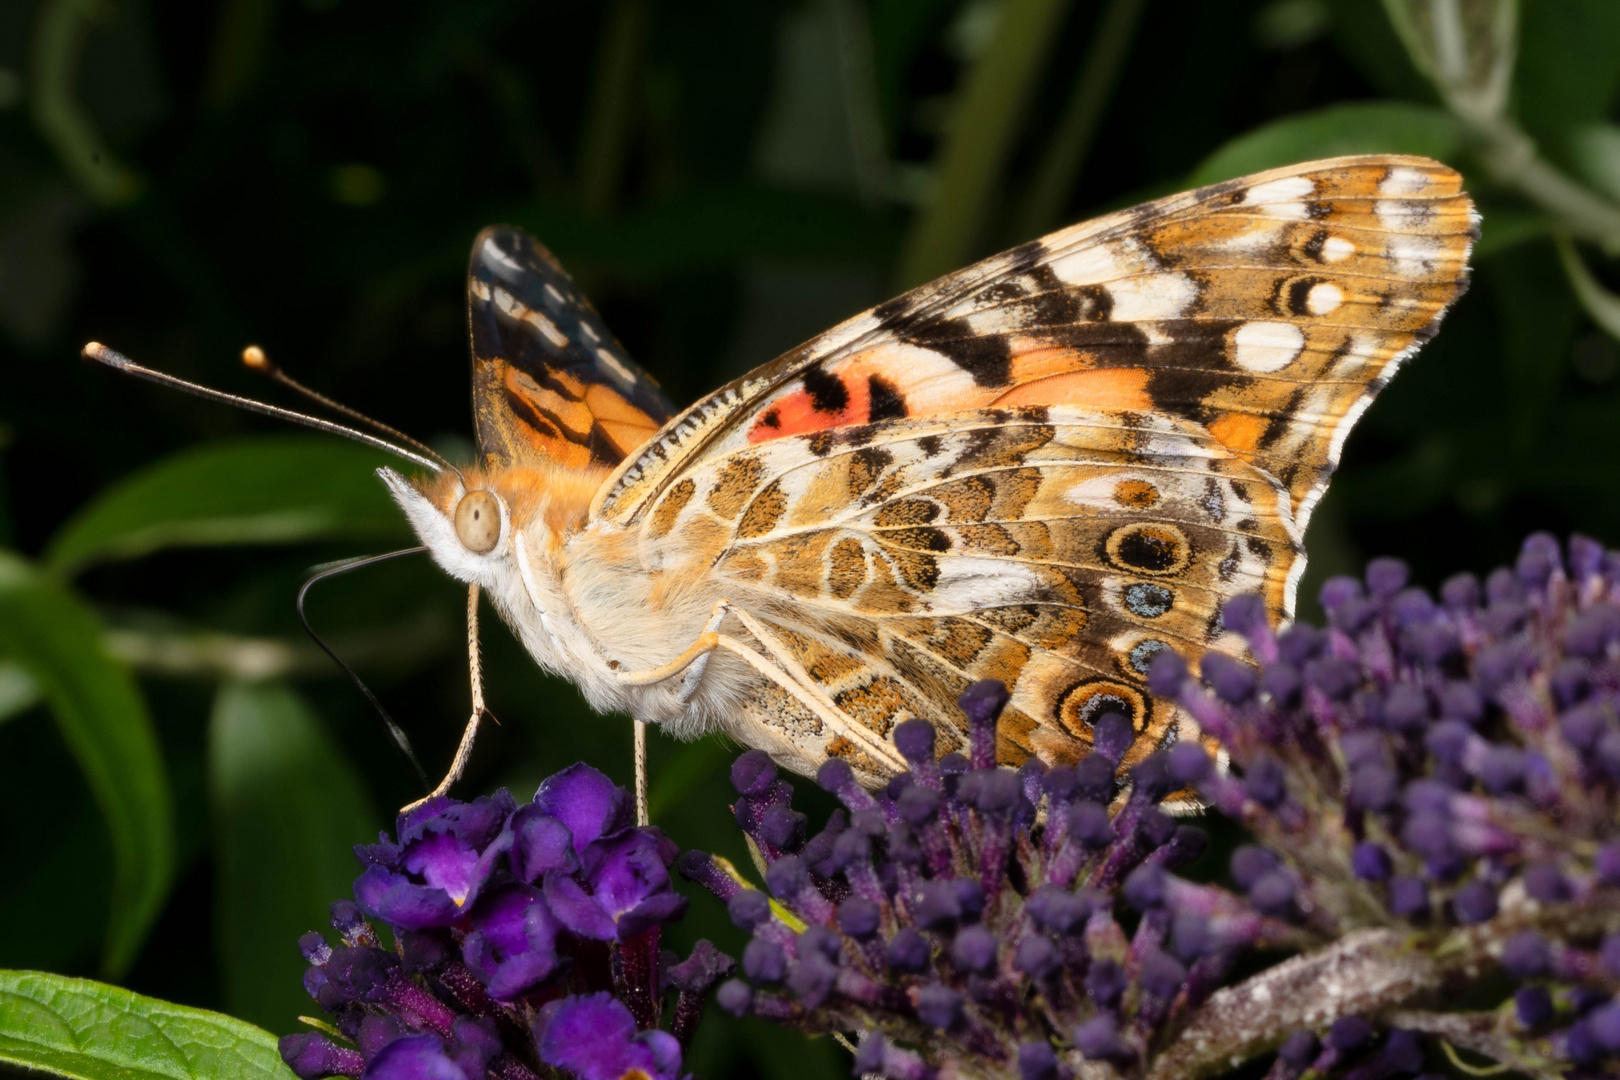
(694, 674)
(475, 674)
(643, 815)
(689, 684)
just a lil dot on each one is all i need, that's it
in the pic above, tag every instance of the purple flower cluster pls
(1450, 767)
(523, 937)
(967, 917)
(1433, 787)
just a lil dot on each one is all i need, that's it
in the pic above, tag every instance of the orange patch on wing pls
(1099, 388)
(1238, 432)
(1136, 494)
(607, 403)
(625, 425)
(796, 414)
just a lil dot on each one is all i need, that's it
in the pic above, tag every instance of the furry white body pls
(589, 604)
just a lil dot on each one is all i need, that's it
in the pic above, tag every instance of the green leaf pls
(288, 810)
(273, 489)
(18, 690)
(103, 720)
(1602, 305)
(1374, 127)
(1569, 69)
(91, 1031)
(686, 771)
(1594, 155)
(986, 116)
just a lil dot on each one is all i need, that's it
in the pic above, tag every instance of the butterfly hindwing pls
(549, 380)
(1057, 549)
(1268, 310)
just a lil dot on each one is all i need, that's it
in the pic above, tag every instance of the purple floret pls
(595, 1038)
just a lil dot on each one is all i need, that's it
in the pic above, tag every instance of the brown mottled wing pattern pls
(1267, 310)
(549, 380)
(1054, 548)
(1050, 465)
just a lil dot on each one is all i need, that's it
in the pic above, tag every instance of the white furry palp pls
(580, 600)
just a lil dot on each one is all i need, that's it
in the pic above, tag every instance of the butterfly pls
(1046, 468)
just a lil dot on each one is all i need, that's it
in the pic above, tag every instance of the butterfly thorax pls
(587, 598)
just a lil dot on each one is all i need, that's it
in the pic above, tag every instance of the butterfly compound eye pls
(478, 521)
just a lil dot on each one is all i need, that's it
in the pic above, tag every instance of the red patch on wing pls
(796, 413)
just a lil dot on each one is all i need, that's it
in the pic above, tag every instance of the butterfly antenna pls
(255, 358)
(395, 732)
(119, 362)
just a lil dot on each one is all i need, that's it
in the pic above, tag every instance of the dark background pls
(724, 179)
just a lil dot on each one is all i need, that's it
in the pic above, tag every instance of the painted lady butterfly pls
(1044, 469)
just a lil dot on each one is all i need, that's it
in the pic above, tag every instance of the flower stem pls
(1365, 972)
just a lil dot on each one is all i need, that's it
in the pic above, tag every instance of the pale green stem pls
(1071, 141)
(241, 39)
(59, 33)
(1601, 304)
(1483, 1033)
(18, 690)
(1511, 156)
(853, 27)
(985, 121)
(1366, 972)
(1466, 48)
(611, 110)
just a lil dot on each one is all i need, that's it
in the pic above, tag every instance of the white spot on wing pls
(1336, 249)
(615, 365)
(1265, 347)
(1153, 296)
(1250, 239)
(1092, 265)
(1281, 198)
(1403, 181)
(1399, 215)
(1414, 256)
(1287, 189)
(519, 310)
(1097, 491)
(1323, 298)
(968, 583)
(493, 252)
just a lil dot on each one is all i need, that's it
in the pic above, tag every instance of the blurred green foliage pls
(181, 773)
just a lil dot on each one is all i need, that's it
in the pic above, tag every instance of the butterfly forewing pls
(549, 380)
(1267, 310)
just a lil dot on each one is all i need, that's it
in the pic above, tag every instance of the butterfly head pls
(465, 521)
(468, 520)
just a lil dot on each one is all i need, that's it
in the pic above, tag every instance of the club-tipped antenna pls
(395, 732)
(254, 358)
(116, 360)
